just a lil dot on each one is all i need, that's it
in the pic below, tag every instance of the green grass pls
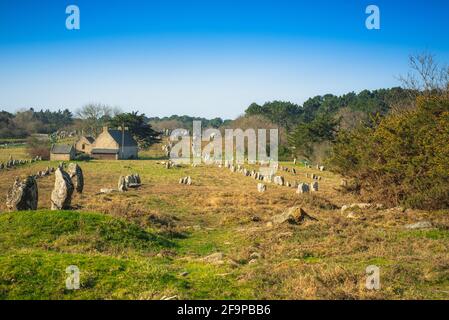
(434, 234)
(117, 260)
(75, 231)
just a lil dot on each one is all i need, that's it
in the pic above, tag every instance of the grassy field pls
(18, 152)
(156, 241)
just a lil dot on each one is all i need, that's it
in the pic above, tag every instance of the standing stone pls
(294, 161)
(315, 186)
(322, 168)
(122, 184)
(23, 195)
(76, 174)
(186, 180)
(261, 187)
(61, 197)
(303, 188)
(279, 180)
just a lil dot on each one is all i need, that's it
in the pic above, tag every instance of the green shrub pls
(402, 160)
(82, 157)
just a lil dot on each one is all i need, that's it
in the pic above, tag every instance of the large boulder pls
(23, 195)
(61, 197)
(294, 215)
(76, 174)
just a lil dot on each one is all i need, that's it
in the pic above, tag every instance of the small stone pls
(214, 258)
(357, 205)
(106, 190)
(255, 255)
(261, 187)
(419, 225)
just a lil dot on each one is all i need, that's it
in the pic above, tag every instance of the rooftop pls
(61, 149)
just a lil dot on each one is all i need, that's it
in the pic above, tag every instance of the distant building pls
(84, 144)
(114, 145)
(62, 152)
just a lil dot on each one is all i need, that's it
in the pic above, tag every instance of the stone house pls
(84, 144)
(114, 145)
(62, 152)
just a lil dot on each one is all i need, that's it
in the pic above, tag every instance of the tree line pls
(27, 122)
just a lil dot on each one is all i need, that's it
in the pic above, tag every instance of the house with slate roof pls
(114, 145)
(62, 152)
(84, 144)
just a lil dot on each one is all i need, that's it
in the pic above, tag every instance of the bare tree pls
(95, 116)
(426, 75)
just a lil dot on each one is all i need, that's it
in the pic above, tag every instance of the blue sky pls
(207, 58)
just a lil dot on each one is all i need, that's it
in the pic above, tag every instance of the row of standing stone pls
(13, 163)
(278, 180)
